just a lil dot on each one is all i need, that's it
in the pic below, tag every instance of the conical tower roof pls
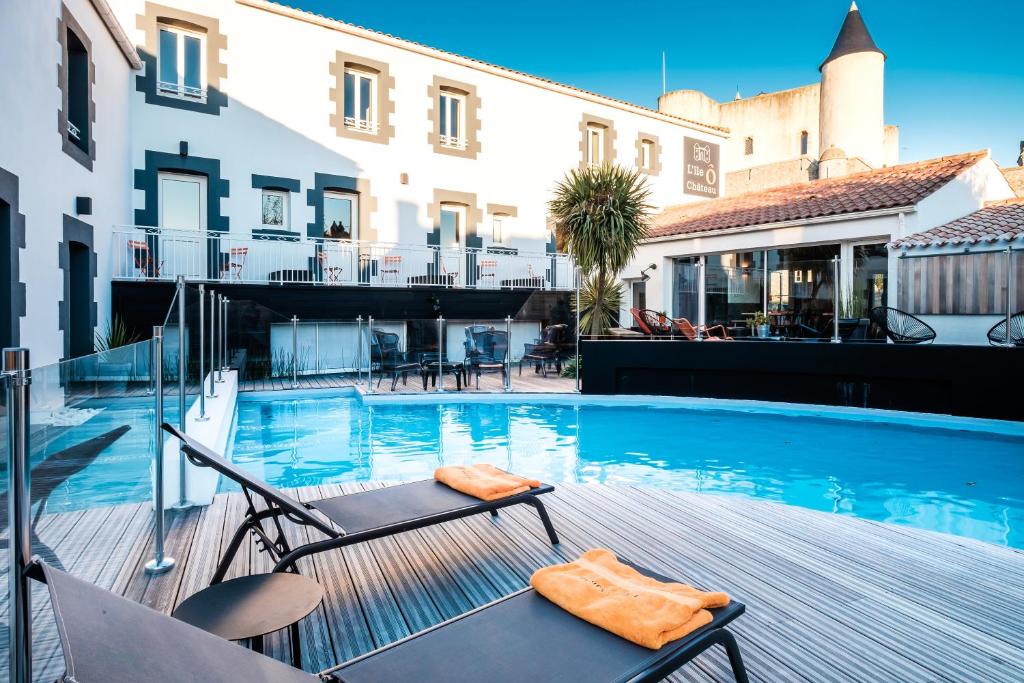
(853, 37)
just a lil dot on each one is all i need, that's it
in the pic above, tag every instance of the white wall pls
(277, 123)
(50, 179)
(970, 330)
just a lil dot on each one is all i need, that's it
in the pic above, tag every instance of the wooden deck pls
(830, 598)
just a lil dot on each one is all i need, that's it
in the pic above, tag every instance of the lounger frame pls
(278, 504)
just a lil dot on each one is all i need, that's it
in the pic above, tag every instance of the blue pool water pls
(968, 483)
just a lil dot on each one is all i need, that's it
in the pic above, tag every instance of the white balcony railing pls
(74, 132)
(453, 142)
(147, 253)
(364, 125)
(183, 91)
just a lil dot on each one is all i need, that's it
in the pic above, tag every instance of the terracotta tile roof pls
(305, 15)
(882, 188)
(996, 223)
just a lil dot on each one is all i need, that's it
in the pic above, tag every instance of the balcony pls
(158, 254)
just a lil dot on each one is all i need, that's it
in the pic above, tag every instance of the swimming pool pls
(961, 481)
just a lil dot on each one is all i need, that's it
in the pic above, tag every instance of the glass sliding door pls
(870, 279)
(801, 290)
(734, 287)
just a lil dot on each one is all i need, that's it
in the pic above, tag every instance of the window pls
(803, 142)
(180, 63)
(78, 92)
(595, 145)
(341, 215)
(500, 233)
(748, 146)
(360, 100)
(646, 154)
(453, 218)
(275, 209)
(452, 119)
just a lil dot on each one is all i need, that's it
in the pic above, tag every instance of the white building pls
(257, 144)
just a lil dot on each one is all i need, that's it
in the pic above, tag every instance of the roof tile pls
(1001, 221)
(881, 188)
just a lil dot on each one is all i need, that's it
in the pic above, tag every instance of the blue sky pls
(955, 73)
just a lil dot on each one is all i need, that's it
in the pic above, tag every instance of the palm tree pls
(601, 215)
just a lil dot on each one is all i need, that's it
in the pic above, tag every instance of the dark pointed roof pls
(853, 37)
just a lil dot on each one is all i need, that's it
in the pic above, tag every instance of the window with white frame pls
(275, 209)
(595, 144)
(500, 233)
(452, 120)
(341, 215)
(360, 100)
(646, 154)
(181, 63)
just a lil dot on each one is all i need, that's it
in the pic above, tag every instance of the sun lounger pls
(356, 517)
(522, 637)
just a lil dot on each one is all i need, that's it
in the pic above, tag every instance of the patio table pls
(429, 369)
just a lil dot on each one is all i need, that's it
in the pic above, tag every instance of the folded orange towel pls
(483, 481)
(601, 590)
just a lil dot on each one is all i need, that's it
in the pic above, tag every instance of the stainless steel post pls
(295, 352)
(182, 413)
(220, 339)
(202, 349)
(213, 343)
(508, 353)
(440, 354)
(1009, 294)
(359, 349)
(19, 513)
(159, 564)
(835, 300)
(224, 329)
(578, 331)
(701, 300)
(369, 354)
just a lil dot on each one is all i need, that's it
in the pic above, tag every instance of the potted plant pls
(760, 326)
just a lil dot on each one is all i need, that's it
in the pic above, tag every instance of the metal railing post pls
(835, 300)
(369, 354)
(440, 354)
(702, 288)
(295, 352)
(508, 353)
(19, 513)
(159, 564)
(359, 349)
(202, 349)
(578, 331)
(1009, 295)
(182, 413)
(224, 329)
(213, 343)
(220, 339)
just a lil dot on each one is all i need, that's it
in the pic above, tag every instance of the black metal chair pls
(391, 359)
(488, 355)
(997, 335)
(901, 327)
(545, 351)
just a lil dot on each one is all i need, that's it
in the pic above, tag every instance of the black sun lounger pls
(519, 638)
(358, 516)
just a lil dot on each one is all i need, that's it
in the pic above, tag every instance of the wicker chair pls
(997, 335)
(901, 327)
(650, 322)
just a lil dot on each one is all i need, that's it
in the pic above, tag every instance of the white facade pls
(852, 98)
(277, 73)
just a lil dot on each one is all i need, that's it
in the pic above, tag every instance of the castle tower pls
(852, 94)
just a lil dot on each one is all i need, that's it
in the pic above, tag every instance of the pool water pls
(968, 483)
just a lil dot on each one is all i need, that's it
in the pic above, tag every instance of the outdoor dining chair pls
(142, 259)
(331, 274)
(233, 263)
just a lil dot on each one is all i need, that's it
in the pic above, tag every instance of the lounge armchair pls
(687, 329)
(651, 323)
(901, 327)
(997, 335)
(546, 350)
(356, 517)
(522, 637)
(487, 354)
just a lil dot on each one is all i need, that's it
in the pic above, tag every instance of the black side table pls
(429, 371)
(249, 607)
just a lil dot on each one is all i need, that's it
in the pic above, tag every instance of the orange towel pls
(483, 481)
(601, 590)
